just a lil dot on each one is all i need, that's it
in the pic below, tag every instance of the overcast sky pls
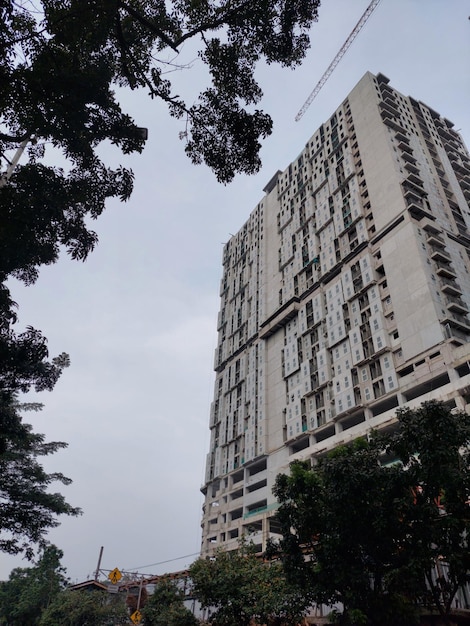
(139, 317)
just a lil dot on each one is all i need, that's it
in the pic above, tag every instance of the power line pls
(186, 556)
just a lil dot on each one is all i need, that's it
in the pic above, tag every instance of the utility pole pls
(5, 177)
(97, 572)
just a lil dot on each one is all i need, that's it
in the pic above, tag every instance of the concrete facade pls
(344, 296)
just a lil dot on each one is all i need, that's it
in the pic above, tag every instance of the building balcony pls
(401, 136)
(391, 121)
(446, 270)
(390, 103)
(411, 167)
(358, 284)
(436, 240)
(454, 205)
(387, 111)
(453, 158)
(253, 479)
(440, 256)
(458, 217)
(432, 149)
(418, 211)
(450, 287)
(252, 498)
(456, 305)
(425, 131)
(413, 194)
(407, 156)
(405, 147)
(430, 227)
(449, 195)
(455, 333)
(460, 322)
(444, 133)
(415, 179)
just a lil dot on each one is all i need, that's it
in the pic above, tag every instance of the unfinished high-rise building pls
(345, 295)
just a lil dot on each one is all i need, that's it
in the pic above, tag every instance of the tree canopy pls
(433, 444)
(62, 64)
(28, 591)
(165, 606)
(383, 537)
(27, 508)
(73, 607)
(238, 587)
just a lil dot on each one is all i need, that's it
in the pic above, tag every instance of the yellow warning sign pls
(115, 576)
(136, 617)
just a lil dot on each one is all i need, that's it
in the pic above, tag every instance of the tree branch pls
(212, 25)
(152, 27)
(435, 594)
(123, 49)
(15, 138)
(13, 42)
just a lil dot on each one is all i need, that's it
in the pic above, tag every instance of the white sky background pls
(139, 317)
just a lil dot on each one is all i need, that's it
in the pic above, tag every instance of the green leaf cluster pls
(238, 588)
(61, 64)
(28, 508)
(28, 591)
(384, 521)
(85, 608)
(165, 607)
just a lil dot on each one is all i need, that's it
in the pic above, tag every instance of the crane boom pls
(365, 16)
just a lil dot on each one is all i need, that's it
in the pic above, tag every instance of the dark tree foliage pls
(383, 538)
(165, 607)
(85, 608)
(28, 509)
(344, 513)
(434, 445)
(240, 589)
(28, 591)
(60, 64)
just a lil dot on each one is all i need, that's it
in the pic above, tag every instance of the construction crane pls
(365, 16)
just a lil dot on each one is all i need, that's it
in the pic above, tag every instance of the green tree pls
(375, 533)
(28, 591)
(343, 512)
(165, 606)
(61, 62)
(433, 444)
(85, 608)
(239, 587)
(28, 509)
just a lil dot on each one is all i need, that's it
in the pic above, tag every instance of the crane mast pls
(365, 16)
